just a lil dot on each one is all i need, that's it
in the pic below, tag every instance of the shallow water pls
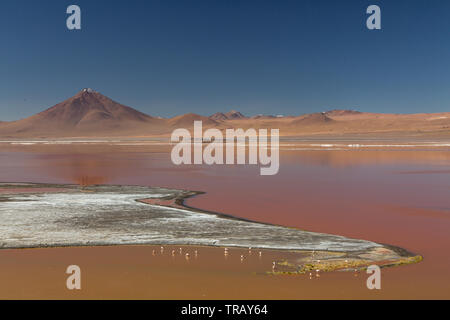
(398, 197)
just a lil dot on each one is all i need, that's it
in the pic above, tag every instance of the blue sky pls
(276, 57)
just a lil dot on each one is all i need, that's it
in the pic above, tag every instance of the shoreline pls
(304, 261)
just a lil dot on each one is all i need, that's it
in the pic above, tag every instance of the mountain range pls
(91, 114)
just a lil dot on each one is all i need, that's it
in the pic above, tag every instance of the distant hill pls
(187, 121)
(232, 115)
(219, 116)
(263, 116)
(312, 119)
(338, 112)
(91, 114)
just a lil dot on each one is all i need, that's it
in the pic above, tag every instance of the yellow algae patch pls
(326, 261)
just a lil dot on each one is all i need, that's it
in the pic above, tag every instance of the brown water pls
(396, 197)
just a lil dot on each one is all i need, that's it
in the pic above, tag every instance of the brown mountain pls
(91, 114)
(312, 119)
(339, 112)
(219, 116)
(232, 115)
(187, 121)
(85, 114)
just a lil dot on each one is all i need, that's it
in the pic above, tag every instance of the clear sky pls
(276, 57)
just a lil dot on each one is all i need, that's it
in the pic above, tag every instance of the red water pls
(395, 197)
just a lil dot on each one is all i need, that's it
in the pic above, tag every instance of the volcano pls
(87, 113)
